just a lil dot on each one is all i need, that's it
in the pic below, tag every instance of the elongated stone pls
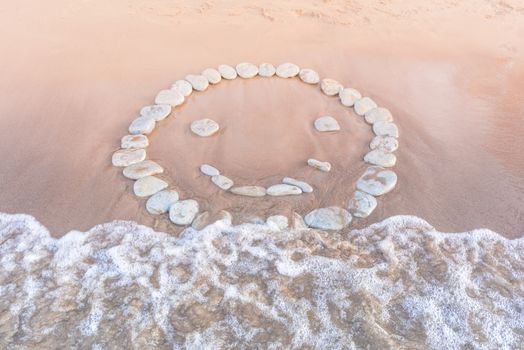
(283, 190)
(204, 127)
(212, 75)
(304, 186)
(330, 218)
(278, 222)
(156, 112)
(142, 169)
(326, 123)
(287, 70)
(148, 185)
(227, 72)
(197, 81)
(362, 204)
(266, 70)
(209, 170)
(309, 76)
(246, 70)
(222, 181)
(249, 191)
(378, 114)
(141, 125)
(125, 157)
(160, 202)
(183, 212)
(134, 141)
(363, 105)
(377, 181)
(323, 166)
(183, 87)
(169, 97)
(381, 158)
(385, 129)
(349, 96)
(330, 87)
(385, 143)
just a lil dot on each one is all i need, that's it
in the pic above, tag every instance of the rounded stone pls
(330, 218)
(222, 181)
(378, 114)
(385, 129)
(385, 143)
(287, 70)
(363, 105)
(349, 96)
(362, 204)
(278, 222)
(125, 157)
(209, 170)
(249, 191)
(148, 185)
(330, 87)
(227, 72)
(317, 164)
(204, 127)
(266, 70)
(212, 75)
(156, 112)
(142, 169)
(380, 158)
(304, 186)
(134, 141)
(183, 212)
(183, 87)
(169, 97)
(326, 123)
(160, 202)
(246, 70)
(309, 76)
(198, 82)
(377, 181)
(141, 125)
(283, 190)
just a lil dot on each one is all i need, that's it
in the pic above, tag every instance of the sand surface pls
(74, 74)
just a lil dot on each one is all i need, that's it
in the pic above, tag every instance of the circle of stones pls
(377, 179)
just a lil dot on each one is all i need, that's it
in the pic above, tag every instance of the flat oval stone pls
(377, 181)
(197, 81)
(160, 202)
(266, 70)
(209, 170)
(183, 87)
(378, 114)
(141, 125)
(385, 143)
(212, 75)
(169, 97)
(330, 218)
(125, 157)
(364, 105)
(227, 72)
(380, 158)
(287, 70)
(283, 190)
(309, 76)
(330, 87)
(323, 166)
(249, 191)
(246, 70)
(222, 181)
(326, 123)
(148, 185)
(304, 186)
(183, 212)
(156, 112)
(142, 169)
(349, 96)
(362, 204)
(278, 222)
(385, 129)
(204, 127)
(134, 141)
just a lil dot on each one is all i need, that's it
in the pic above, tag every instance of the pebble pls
(304, 186)
(323, 166)
(362, 204)
(222, 181)
(330, 87)
(381, 158)
(212, 75)
(156, 112)
(349, 96)
(330, 218)
(287, 70)
(278, 222)
(378, 114)
(326, 123)
(169, 97)
(125, 157)
(377, 181)
(205, 219)
(249, 191)
(227, 72)
(385, 143)
(183, 87)
(134, 141)
(298, 222)
(141, 125)
(385, 129)
(209, 170)
(160, 202)
(283, 190)
(364, 105)
(148, 185)
(266, 70)
(183, 212)
(309, 76)
(198, 82)
(246, 70)
(142, 169)
(204, 127)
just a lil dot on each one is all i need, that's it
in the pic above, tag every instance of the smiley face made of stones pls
(377, 180)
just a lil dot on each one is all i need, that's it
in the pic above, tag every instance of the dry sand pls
(73, 75)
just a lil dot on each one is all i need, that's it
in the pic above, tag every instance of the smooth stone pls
(198, 82)
(309, 76)
(246, 70)
(205, 219)
(330, 87)
(364, 105)
(160, 202)
(377, 181)
(141, 125)
(278, 222)
(283, 190)
(378, 114)
(304, 186)
(156, 112)
(385, 129)
(125, 157)
(249, 191)
(385, 143)
(204, 127)
(266, 70)
(298, 222)
(323, 166)
(134, 141)
(287, 70)
(227, 72)
(330, 218)
(212, 75)
(142, 169)
(349, 96)
(380, 158)
(148, 185)
(362, 204)
(326, 123)
(209, 170)
(183, 212)
(169, 97)
(183, 87)
(222, 181)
